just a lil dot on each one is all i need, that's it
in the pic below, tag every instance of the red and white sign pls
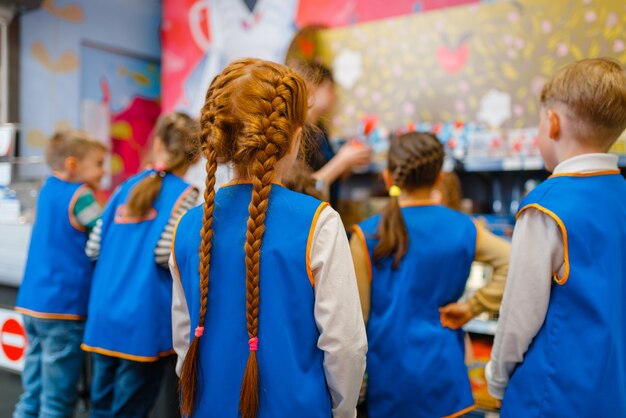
(12, 340)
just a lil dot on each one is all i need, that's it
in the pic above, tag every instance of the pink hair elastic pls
(199, 332)
(160, 166)
(253, 343)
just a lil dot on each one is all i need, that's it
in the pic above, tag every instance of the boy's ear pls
(387, 179)
(69, 165)
(555, 125)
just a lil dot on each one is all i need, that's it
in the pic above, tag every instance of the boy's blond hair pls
(70, 143)
(594, 93)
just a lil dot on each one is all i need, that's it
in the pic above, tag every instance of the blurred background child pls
(327, 166)
(55, 291)
(129, 325)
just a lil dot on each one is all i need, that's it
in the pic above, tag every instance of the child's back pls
(293, 380)
(129, 329)
(127, 282)
(411, 355)
(586, 314)
(54, 292)
(560, 346)
(263, 265)
(58, 273)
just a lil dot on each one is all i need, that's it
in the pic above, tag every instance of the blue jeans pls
(124, 388)
(51, 369)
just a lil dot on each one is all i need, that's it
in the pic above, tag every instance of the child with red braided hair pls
(269, 325)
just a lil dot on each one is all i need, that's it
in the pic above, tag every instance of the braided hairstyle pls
(252, 112)
(178, 133)
(415, 160)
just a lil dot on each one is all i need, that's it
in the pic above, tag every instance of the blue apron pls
(415, 366)
(58, 272)
(131, 298)
(292, 380)
(576, 365)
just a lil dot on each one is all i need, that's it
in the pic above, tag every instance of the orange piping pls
(172, 248)
(73, 220)
(359, 232)
(461, 412)
(246, 181)
(589, 174)
(418, 202)
(43, 315)
(121, 218)
(309, 241)
(110, 353)
(181, 198)
(559, 222)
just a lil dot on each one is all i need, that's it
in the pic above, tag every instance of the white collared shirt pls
(337, 313)
(536, 253)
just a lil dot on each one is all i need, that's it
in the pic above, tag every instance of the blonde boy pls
(560, 347)
(55, 289)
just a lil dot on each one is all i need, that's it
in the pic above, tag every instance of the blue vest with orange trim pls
(58, 273)
(291, 372)
(415, 366)
(576, 365)
(131, 298)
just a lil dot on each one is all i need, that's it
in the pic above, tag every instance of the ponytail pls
(177, 132)
(144, 194)
(393, 237)
(415, 160)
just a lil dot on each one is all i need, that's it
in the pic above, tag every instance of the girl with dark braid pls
(411, 261)
(266, 314)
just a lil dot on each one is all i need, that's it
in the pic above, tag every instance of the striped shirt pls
(164, 245)
(87, 210)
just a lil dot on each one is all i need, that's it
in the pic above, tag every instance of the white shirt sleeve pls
(181, 321)
(338, 313)
(536, 254)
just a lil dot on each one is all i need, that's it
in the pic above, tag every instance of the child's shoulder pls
(369, 225)
(300, 198)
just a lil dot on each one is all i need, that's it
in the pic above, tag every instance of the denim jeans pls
(51, 368)
(124, 388)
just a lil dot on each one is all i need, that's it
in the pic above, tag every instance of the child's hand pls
(354, 153)
(455, 315)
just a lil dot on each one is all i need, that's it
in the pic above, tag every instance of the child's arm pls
(536, 254)
(164, 245)
(491, 250)
(360, 258)
(86, 210)
(92, 249)
(181, 322)
(338, 313)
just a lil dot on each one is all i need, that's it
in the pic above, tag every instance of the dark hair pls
(178, 133)
(313, 73)
(252, 111)
(415, 160)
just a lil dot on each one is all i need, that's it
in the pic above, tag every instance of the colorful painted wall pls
(200, 36)
(58, 78)
(482, 63)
